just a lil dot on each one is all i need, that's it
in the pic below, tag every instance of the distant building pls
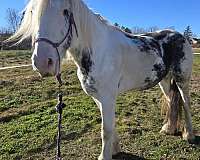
(196, 43)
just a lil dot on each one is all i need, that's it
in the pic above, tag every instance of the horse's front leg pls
(110, 143)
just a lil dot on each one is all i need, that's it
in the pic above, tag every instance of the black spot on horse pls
(147, 80)
(147, 44)
(173, 52)
(148, 83)
(86, 61)
(156, 47)
(86, 67)
(160, 71)
(150, 44)
(144, 45)
(159, 35)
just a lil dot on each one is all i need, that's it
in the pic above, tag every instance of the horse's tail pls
(172, 107)
(176, 102)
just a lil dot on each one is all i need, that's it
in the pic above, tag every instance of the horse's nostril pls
(50, 61)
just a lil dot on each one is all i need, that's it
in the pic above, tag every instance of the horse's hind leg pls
(184, 91)
(182, 69)
(172, 97)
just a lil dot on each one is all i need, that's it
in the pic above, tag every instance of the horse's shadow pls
(197, 140)
(129, 156)
(126, 156)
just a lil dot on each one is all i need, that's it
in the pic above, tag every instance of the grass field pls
(28, 121)
(196, 50)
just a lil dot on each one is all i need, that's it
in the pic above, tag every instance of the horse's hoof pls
(166, 129)
(116, 149)
(188, 137)
(101, 158)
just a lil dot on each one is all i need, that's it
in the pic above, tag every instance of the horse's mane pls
(102, 19)
(31, 19)
(32, 15)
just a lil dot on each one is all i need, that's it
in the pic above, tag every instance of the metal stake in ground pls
(59, 108)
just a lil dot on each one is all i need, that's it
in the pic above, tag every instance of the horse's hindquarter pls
(152, 56)
(143, 67)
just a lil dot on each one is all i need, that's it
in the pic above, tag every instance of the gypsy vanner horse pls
(109, 61)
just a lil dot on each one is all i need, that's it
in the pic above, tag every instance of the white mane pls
(34, 9)
(31, 20)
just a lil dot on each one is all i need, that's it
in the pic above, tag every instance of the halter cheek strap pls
(68, 18)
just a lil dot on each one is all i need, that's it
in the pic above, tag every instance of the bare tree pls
(4, 31)
(171, 28)
(4, 34)
(138, 30)
(152, 29)
(13, 19)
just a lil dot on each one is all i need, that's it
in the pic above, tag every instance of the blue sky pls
(141, 13)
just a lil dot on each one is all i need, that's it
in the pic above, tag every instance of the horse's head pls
(53, 37)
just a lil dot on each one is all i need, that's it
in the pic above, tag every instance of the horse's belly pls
(142, 74)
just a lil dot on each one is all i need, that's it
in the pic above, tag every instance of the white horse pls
(109, 61)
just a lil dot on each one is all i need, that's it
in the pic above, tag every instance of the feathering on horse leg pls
(164, 102)
(188, 129)
(116, 146)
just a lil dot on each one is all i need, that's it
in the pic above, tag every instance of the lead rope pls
(59, 109)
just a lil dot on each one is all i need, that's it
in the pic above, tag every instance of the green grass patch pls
(11, 58)
(28, 120)
(196, 50)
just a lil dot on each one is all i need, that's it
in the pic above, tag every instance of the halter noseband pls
(70, 18)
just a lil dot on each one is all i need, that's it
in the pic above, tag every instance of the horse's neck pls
(90, 29)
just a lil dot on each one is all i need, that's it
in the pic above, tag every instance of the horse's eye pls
(66, 13)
